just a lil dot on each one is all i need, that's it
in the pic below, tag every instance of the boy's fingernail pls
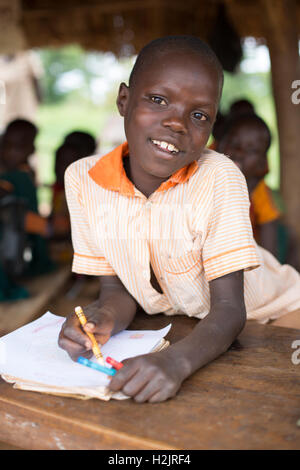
(90, 325)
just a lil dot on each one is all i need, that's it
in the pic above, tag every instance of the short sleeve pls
(88, 258)
(229, 245)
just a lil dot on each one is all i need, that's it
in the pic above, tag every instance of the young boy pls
(165, 224)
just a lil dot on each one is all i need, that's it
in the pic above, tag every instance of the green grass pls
(57, 120)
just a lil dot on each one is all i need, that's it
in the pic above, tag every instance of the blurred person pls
(12, 244)
(16, 146)
(76, 145)
(64, 156)
(246, 140)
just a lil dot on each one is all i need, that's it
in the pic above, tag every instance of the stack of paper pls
(31, 359)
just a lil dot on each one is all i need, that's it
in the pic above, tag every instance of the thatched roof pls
(124, 26)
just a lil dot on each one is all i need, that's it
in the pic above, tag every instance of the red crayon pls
(117, 365)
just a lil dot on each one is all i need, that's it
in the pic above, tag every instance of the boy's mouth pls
(166, 146)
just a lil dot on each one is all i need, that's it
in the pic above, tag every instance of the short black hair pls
(234, 121)
(21, 125)
(181, 42)
(238, 106)
(83, 141)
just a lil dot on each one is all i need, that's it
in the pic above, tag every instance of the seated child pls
(246, 139)
(76, 145)
(64, 156)
(165, 225)
(16, 146)
(12, 244)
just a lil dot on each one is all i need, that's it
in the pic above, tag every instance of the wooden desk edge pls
(35, 417)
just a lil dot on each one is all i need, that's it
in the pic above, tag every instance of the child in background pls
(76, 145)
(165, 225)
(246, 140)
(64, 156)
(16, 146)
(237, 108)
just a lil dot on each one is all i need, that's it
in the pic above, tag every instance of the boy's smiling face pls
(169, 113)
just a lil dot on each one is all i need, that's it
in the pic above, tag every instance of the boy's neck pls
(146, 186)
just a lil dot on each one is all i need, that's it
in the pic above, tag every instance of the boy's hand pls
(72, 338)
(152, 377)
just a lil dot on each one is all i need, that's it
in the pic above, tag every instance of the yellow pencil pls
(95, 347)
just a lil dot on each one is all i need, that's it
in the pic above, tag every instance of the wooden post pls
(280, 20)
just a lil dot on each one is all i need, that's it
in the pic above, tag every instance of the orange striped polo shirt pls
(194, 228)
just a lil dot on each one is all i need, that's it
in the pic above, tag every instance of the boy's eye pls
(158, 100)
(200, 116)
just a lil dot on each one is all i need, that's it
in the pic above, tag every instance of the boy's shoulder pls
(81, 167)
(212, 161)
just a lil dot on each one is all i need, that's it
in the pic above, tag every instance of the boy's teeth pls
(165, 145)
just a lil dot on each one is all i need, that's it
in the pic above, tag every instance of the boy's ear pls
(122, 99)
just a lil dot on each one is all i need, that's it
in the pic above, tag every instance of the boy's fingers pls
(89, 326)
(135, 385)
(73, 349)
(157, 397)
(122, 377)
(74, 332)
(149, 392)
(102, 326)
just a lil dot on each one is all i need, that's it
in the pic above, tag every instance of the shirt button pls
(148, 205)
(145, 274)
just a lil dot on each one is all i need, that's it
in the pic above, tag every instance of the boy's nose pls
(175, 123)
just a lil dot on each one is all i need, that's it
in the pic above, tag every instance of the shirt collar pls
(109, 173)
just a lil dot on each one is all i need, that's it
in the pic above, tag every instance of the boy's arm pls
(216, 332)
(112, 312)
(158, 376)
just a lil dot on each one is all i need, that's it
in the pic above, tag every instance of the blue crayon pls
(94, 365)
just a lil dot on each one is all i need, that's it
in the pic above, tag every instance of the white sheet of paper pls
(32, 353)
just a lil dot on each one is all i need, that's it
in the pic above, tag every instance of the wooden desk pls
(249, 398)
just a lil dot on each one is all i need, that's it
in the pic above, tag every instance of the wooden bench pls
(42, 289)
